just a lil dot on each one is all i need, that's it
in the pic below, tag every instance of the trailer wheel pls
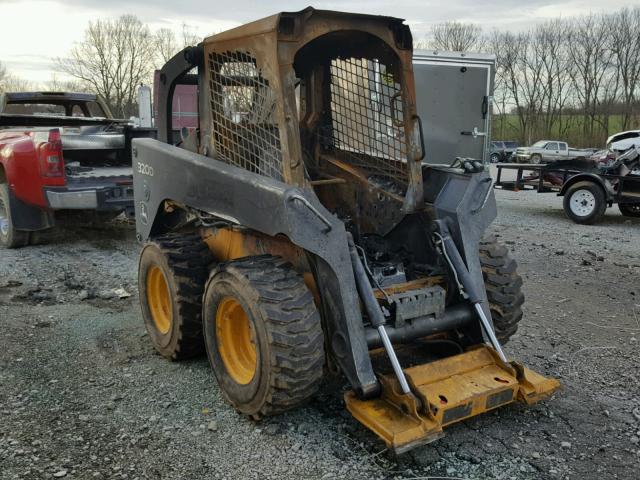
(172, 272)
(263, 335)
(503, 286)
(584, 202)
(629, 209)
(9, 236)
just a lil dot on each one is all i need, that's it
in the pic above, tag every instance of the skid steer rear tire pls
(172, 272)
(263, 335)
(503, 286)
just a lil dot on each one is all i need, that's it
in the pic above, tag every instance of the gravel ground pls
(83, 395)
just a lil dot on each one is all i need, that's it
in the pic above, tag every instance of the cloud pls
(54, 25)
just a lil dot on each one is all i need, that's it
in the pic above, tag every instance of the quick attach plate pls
(445, 392)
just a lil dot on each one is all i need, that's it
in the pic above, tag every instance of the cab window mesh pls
(367, 119)
(243, 115)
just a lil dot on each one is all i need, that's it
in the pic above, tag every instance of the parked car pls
(60, 151)
(501, 151)
(546, 151)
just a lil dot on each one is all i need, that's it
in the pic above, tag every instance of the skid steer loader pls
(298, 233)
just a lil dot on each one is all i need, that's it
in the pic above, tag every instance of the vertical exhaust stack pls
(144, 106)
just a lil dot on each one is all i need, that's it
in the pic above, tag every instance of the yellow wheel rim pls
(236, 340)
(159, 300)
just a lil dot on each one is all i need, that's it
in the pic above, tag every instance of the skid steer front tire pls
(263, 335)
(503, 286)
(172, 272)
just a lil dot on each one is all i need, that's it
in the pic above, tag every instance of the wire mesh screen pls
(243, 115)
(367, 118)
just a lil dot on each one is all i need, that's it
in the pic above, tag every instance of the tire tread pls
(293, 326)
(189, 260)
(503, 286)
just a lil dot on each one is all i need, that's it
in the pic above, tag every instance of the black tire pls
(184, 262)
(503, 286)
(630, 209)
(9, 236)
(584, 202)
(494, 158)
(536, 158)
(286, 366)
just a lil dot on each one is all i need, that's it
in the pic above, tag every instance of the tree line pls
(575, 79)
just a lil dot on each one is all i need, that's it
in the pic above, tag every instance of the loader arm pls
(467, 205)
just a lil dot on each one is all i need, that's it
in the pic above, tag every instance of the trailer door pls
(453, 93)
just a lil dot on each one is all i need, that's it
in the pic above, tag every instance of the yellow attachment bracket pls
(445, 392)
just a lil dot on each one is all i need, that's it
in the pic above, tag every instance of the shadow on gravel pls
(100, 234)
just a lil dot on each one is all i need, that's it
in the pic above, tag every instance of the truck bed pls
(98, 173)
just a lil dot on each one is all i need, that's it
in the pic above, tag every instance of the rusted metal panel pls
(358, 98)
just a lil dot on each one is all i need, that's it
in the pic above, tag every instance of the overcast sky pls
(34, 32)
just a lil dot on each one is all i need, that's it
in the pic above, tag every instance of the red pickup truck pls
(60, 151)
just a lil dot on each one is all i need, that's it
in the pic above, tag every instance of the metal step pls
(445, 392)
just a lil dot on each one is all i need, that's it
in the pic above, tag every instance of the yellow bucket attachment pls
(444, 392)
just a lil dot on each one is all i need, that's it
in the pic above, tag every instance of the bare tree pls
(523, 75)
(189, 37)
(549, 43)
(588, 41)
(58, 85)
(3, 76)
(501, 96)
(457, 37)
(12, 83)
(166, 45)
(114, 58)
(624, 27)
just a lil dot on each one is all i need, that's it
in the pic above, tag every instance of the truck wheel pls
(536, 158)
(9, 236)
(629, 209)
(495, 158)
(172, 272)
(584, 202)
(263, 335)
(503, 286)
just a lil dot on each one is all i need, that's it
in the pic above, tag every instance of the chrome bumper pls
(80, 200)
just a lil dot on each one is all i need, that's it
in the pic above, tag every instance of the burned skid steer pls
(298, 233)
